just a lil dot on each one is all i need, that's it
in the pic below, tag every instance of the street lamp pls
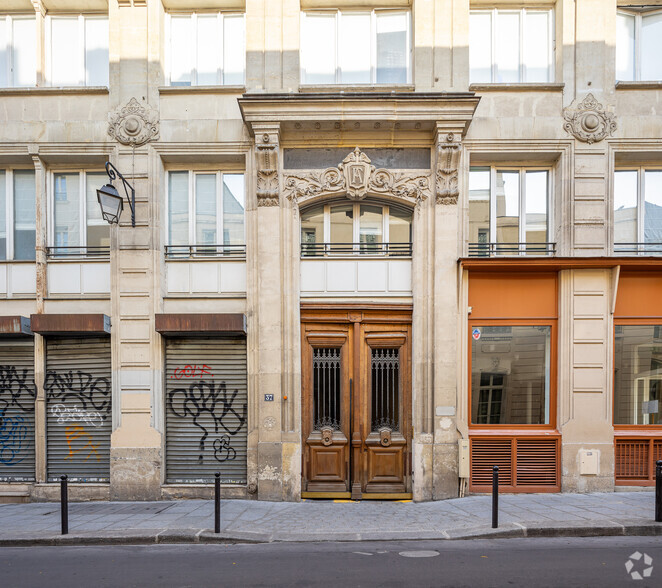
(110, 200)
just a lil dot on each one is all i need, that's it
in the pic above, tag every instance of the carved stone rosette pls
(356, 177)
(589, 121)
(134, 124)
(449, 150)
(266, 154)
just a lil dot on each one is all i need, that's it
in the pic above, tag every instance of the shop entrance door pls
(356, 394)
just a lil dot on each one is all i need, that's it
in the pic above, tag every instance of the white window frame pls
(638, 17)
(641, 200)
(9, 20)
(373, 44)
(9, 210)
(81, 66)
(220, 72)
(551, 47)
(192, 217)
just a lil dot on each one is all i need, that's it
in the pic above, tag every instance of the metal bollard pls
(658, 491)
(495, 497)
(64, 505)
(217, 503)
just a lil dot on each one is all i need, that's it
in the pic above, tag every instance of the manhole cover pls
(419, 553)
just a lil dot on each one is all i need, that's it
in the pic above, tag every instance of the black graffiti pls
(213, 398)
(16, 390)
(223, 451)
(13, 432)
(90, 392)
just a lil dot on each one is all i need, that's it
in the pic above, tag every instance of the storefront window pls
(510, 375)
(637, 374)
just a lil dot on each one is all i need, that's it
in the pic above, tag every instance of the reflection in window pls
(639, 45)
(17, 233)
(18, 51)
(510, 375)
(637, 375)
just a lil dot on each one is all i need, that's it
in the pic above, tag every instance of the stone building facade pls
(379, 247)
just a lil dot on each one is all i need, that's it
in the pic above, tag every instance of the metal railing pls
(205, 251)
(362, 249)
(505, 249)
(97, 252)
(638, 248)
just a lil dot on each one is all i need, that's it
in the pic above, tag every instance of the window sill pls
(202, 89)
(339, 88)
(647, 85)
(54, 91)
(518, 87)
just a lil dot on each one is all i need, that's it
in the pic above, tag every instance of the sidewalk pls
(190, 521)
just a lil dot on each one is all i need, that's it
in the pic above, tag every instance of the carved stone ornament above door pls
(356, 177)
(134, 124)
(589, 121)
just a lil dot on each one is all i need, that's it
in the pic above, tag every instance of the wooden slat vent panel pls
(632, 458)
(536, 462)
(486, 453)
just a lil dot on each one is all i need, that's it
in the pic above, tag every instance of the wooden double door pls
(356, 370)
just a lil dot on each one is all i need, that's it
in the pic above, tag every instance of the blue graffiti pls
(17, 395)
(13, 432)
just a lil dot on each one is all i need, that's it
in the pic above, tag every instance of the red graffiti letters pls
(192, 371)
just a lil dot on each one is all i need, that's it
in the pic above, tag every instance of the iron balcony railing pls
(96, 252)
(363, 249)
(504, 249)
(205, 251)
(638, 248)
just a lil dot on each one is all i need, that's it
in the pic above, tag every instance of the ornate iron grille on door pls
(326, 388)
(385, 389)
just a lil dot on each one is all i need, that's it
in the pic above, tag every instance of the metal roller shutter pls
(17, 401)
(206, 410)
(78, 409)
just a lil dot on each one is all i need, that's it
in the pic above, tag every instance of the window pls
(349, 229)
(639, 45)
(205, 213)
(343, 47)
(18, 51)
(637, 375)
(509, 211)
(77, 225)
(206, 49)
(510, 374)
(78, 50)
(510, 46)
(638, 211)
(17, 214)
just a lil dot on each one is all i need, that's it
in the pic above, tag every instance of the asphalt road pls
(533, 563)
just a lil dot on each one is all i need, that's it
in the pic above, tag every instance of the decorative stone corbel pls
(266, 158)
(449, 149)
(134, 124)
(589, 122)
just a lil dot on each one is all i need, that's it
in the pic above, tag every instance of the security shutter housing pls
(17, 404)
(206, 409)
(78, 405)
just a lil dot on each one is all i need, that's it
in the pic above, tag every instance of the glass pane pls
(385, 389)
(208, 62)
(354, 48)
(312, 230)
(25, 52)
(399, 231)
(536, 208)
(653, 208)
(651, 47)
(25, 212)
(479, 210)
(510, 375)
(507, 47)
(326, 388)
(233, 209)
(318, 49)
(342, 227)
(392, 48)
(67, 210)
(98, 230)
(480, 46)
(65, 51)
(96, 51)
(507, 209)
(3, 214)
(537, 58)
(178, 208)
(637, 374)
(624, 46)
(205, 209)
(234, 50)
(181, 50)
(4, 73)
(625, 207)
(371, 228)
